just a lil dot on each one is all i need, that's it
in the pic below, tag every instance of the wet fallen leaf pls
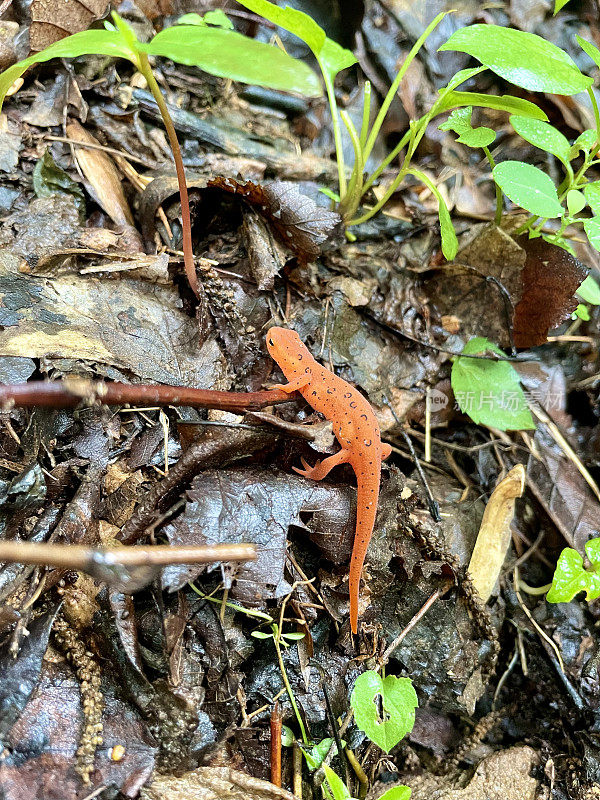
(42, 744)
(250, 505)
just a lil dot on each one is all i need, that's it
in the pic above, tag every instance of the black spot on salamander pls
(347, 395)
(368, 443)
(314, 394)
(353, 404)
(364, 416)
(300, 356)
(330, 391)
(307, 370)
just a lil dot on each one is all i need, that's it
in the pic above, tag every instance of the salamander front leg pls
(386, 451)
(323, 468)
(293, 386)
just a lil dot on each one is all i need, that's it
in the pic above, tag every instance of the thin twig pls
(82, 558)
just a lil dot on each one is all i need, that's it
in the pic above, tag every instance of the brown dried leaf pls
(551, 277)
(213, 783)
(298, 221)
(156, 8)
(52, 20)
(101, 173)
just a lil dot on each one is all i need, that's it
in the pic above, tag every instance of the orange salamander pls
(356, 429)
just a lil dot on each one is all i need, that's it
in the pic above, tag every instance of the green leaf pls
(570, 577)
(293, 637)
(330, 194)
(49, 178)
(585, 141)
(287, 736)
(85, 43)
(522, 58)
(230, 55)
(447, 232)
(316, 755)
(461, 76)
(505, 102)
(592, 195)
(589, 291)
(397, 793)
(336, 784)
(216, 17)
(219, 19)
(558, 4)
(459, 121)
(581, 312)
(589, 48)
(489, 391)
(575, 201)
(331, 56)
(261, 635)
(528, 187)
(398, 701)
(592, 231)
(542, 135)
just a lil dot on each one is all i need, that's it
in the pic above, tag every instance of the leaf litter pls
(186, 689)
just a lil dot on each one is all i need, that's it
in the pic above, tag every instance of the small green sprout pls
(571, 577)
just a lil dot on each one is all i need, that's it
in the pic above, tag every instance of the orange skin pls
(356, 429)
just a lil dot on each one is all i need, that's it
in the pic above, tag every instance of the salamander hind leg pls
(323, 468)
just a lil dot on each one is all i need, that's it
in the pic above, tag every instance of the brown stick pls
(276, 723)
(70, 393)
(80, 557)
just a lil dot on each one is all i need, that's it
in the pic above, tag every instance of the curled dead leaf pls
(494, 534)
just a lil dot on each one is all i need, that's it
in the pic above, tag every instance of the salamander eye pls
(271, 342)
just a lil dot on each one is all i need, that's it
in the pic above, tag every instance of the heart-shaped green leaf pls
(570, 577)
(384, 708)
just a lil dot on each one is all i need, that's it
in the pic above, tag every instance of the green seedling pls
(280, 640)
(530, 62)
(210, 47)
(332, 59)
(489, 391)
(384, 708)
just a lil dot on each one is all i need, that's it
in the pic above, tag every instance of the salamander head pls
(284, 345)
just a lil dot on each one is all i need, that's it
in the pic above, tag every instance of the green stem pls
(394, 87)
(355, 188)
(364, 128)
(387, 160)
(379, 205)
(337, 133)
(534, 590)
(592, 97)
(498, 216)
(186, 224)
(276, 642)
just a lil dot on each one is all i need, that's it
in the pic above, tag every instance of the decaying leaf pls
(299, 222)
(250, 505)
(42, 744)
(52, 20)
(495, 534)
(551, 277)
(529, 283)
